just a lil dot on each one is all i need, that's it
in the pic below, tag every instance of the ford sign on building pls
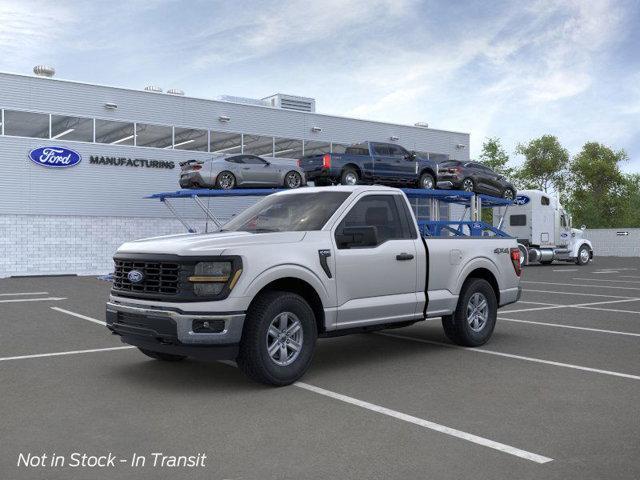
(78, 159)
(56, 157)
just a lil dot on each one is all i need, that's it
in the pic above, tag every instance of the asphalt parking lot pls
(555, 394)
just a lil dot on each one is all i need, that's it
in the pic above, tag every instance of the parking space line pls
(578, 285)
(576, 293)
(516, 357)
(485, 442)
(608, 310)
(573, 327)
(578, 305)
(84, 317)
(540, 303)
(551, 307)
(58, 354)
(604, 280)
(17, 300)
(566, 270)
(22, 293)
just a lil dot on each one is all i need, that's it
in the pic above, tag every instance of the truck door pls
(564, 230)
(376, 282)
(382, 162)
(404, 165)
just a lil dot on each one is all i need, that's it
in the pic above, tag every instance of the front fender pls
(578, 244)
(278, 272)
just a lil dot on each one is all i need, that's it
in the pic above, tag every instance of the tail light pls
(515, 259)
(299, 162)
(196, 167)
(326, 161)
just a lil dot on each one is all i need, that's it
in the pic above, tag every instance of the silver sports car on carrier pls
(231, 171)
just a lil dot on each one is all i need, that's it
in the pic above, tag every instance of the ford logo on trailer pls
(55, 157)
(521, 200)
(135, 276)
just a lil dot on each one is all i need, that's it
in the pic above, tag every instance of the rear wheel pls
(292, 179)
(278, 339)
(427, 181)
(473, 321)
(583, 255)
(349, 177)
(166, 357)
(225, 180)
(509, 194)
(468, 185)
(546, 262)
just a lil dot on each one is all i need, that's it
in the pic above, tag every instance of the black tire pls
(165, 357)
(468, 185)
(321, 182)
(427, 178)
(221, 180)
(509, 194)
(546, 262)
(254, 359)
(579, 258)
(297, 183)
(347, 173)
(457, 327)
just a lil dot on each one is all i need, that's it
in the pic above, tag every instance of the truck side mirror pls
(410, 156)
(350, 237)
(583, 227)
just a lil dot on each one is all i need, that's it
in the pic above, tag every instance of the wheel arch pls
(355, 166)
(299, 287)
(485, 274)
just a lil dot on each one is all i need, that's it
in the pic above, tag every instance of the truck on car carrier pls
(543, 229)
(302, 264)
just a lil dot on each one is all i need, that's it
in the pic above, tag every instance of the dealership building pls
(129, 143)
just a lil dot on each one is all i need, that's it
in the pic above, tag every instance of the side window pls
(517, 220)
(397, 151)
(544, 200)
(235, 159)
(381, 149)
(378, 211)
(563, 221)
(253, 160)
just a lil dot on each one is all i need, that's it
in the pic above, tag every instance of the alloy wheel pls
(508, 194)
(477, 312)
(284, 339)
(293, 180)
(351, 178)
(427, 182)
(467, 185)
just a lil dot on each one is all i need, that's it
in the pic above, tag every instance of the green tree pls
(599, 192)
(495, 157)
(545, 164)
(631, 198)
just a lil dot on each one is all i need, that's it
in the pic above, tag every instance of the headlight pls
(210, 278)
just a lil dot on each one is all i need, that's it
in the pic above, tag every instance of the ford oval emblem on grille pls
(135, 276)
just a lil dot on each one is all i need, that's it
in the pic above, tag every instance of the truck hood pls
(206, 243)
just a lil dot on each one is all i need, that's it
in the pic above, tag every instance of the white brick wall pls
(52, 245)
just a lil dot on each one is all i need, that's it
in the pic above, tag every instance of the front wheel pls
(278, 339)
(292, 179)
(508, 194)
(468, 185)
(583, 255)
(472, 324)
(427, 181)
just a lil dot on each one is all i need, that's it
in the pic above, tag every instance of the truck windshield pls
(287, 213)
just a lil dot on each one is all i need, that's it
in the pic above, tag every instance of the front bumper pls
(173, 331)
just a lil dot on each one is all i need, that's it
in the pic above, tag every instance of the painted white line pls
(22, 293)
(485, 442)
(58, 354)
(577, 305)
(610, 310)
(16, 300)
(575, 293)
(573, 327)
(579, 285)
(540, 303)
(516, 357)
(84, 317)
(535, 308)
(604, 280)
(565, 269)
(628, 276)
(605, 272)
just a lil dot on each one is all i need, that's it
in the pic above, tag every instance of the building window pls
(114, 133)
(26, 124)
(190, 139)
(338, 147)
(226, 143)
(157, 136)
(316, 148)
(258, 145)
(287, 148)
(72, 128)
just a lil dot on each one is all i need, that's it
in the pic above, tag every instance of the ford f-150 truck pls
(302, 264)
(371, 162)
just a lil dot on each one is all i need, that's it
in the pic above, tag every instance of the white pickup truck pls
(302, 264)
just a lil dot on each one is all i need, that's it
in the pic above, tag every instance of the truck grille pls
(159, 277)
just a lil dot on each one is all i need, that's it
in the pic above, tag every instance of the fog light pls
(208, 326)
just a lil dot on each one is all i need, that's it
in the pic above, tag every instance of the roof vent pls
(422, 124)
(243, 100)
(153, 88)
(44, 71)
(175, 91)
(292, 102)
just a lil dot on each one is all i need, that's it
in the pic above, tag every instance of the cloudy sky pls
(515, 70)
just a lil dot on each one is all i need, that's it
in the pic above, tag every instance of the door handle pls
(404, 256)
(246, 168)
